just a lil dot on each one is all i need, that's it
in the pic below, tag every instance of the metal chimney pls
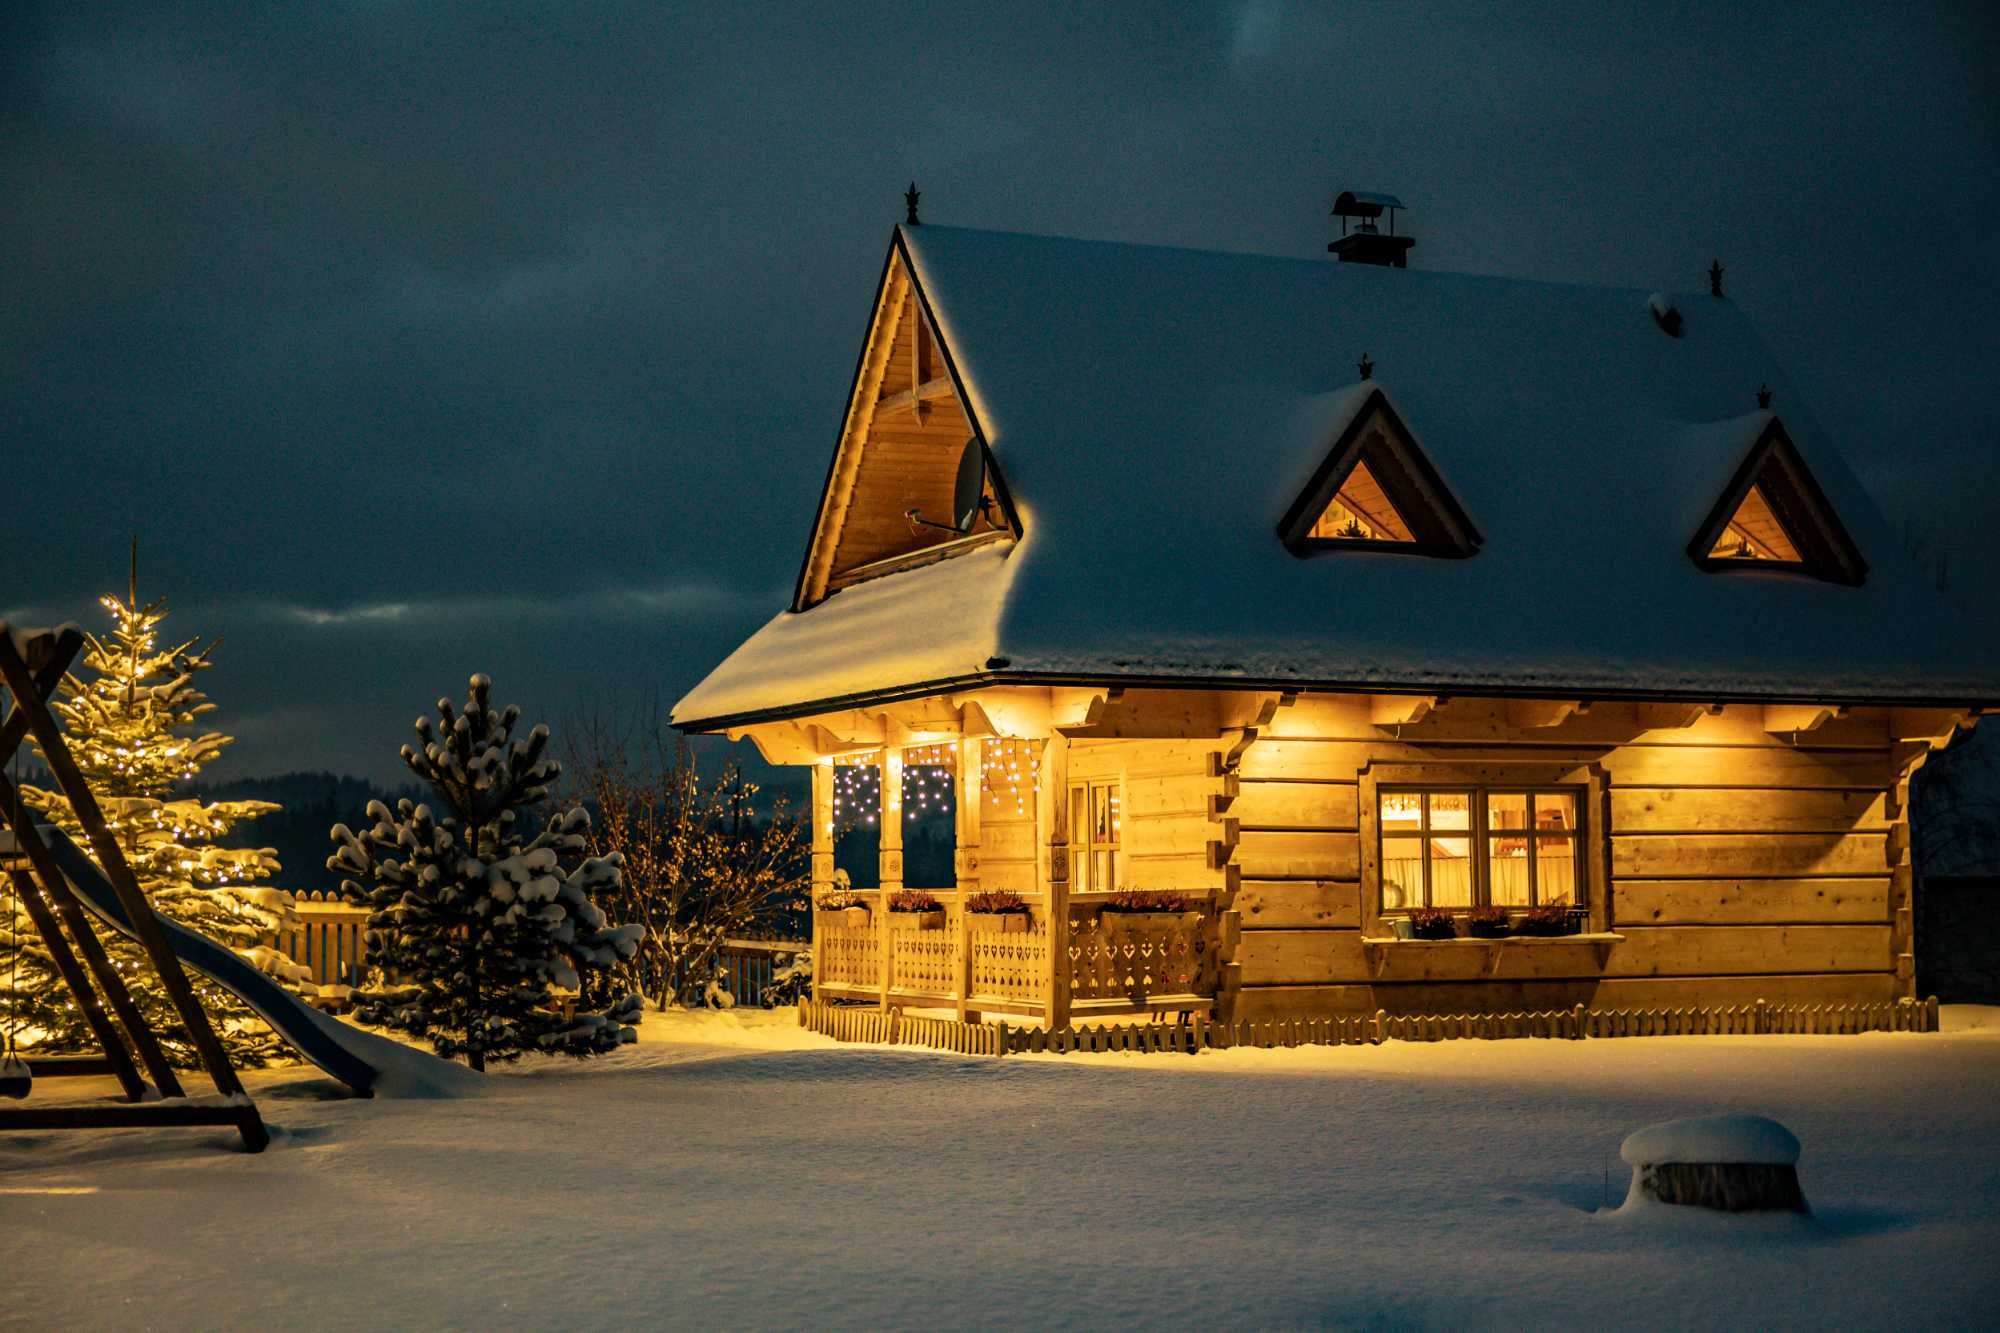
(1367, 243)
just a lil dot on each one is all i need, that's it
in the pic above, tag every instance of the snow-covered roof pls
(1156, 411)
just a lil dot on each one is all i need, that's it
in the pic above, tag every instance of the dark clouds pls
(418, 339)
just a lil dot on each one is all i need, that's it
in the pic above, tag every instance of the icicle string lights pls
(1010, 774)
(929, 774)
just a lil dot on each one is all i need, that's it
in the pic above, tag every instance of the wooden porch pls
(1067, 960)
(974, 964)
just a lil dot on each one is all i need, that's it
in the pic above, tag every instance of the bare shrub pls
(705, 859)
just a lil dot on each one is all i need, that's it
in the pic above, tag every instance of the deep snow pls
(750, 1174)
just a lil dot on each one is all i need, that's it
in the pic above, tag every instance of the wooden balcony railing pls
(990, 964)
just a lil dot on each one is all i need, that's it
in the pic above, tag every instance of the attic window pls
(1360, 511)
(1755, 533)
(1773, 516)
(1376, 491)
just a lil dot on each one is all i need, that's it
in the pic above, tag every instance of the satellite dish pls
(968, 497)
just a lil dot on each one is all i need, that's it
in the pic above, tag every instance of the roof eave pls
(1497, 690)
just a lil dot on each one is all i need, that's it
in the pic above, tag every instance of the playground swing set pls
(59, 888)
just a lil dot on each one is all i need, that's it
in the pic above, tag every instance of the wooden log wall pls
(1168, 809)
(1744, 865)
(1007, 846)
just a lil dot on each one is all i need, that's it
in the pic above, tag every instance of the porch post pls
(971, 784)
(822, 854)
(889, 859)
(1052, 824)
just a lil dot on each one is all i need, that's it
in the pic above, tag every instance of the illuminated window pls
(1755, 533)
(1773, 516)
(1360, 511)
(1094, 837)
(1375, 490)
(1479, 847)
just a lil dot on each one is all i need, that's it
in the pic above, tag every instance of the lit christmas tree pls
(130, 728)
(490, 938)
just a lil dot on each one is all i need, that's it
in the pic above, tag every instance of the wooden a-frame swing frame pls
(32, 666)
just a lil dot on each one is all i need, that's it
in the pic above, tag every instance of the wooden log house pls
(1325, 592)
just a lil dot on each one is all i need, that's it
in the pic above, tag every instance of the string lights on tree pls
(130, 718)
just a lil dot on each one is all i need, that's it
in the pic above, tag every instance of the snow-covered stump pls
(1732, 1163)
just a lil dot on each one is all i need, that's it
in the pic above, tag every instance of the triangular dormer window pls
(1376, 491)
(1773, 516)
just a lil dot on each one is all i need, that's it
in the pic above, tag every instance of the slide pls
(325, 1041)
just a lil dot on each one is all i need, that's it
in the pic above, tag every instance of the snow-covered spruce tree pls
(476, 925)
(130, 728)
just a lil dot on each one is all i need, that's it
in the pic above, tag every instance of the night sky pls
(416, 339)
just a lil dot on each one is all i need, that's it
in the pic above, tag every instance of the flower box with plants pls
(918, 907)
(1489, 923)
(998, 909)
(849, 907)
(1433, 923)
(1552, 919)
(1133, 909)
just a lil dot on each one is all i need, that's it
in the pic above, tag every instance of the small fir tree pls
(130, 728)
(479, 926)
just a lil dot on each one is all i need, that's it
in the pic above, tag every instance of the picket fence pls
(331, 942)
(894, 1028)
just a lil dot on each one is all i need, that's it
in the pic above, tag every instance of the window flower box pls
(1146, 909)
(845, 908)
(915, 907)
(1110, 920)
(1555, 919)
(1001, 912)
(1513, 958)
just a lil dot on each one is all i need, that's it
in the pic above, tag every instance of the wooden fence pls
(332, 941)
(892, 1027)
(746, 967)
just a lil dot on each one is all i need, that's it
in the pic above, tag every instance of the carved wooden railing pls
(1009, 967)
(1140, 960)
(1112, 963)
(847, 950)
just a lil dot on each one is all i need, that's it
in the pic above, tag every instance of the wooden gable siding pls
(899, 447)
(1742, 864)
(907, 460)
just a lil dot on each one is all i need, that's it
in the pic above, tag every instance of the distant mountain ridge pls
(312, 804)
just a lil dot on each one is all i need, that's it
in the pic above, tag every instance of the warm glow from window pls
(1359, 511)
(1478, 847)
(1754, 532)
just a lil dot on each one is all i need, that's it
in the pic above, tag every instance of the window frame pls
(1588, 783)
(1083, 848)
(1376, 435)
(1775, 467)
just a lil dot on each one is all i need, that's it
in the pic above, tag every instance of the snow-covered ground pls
(731, 1170)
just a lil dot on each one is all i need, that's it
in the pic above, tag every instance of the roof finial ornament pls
(910, 197)
(1365, 366)
(1764, 395)
(1715, 277)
